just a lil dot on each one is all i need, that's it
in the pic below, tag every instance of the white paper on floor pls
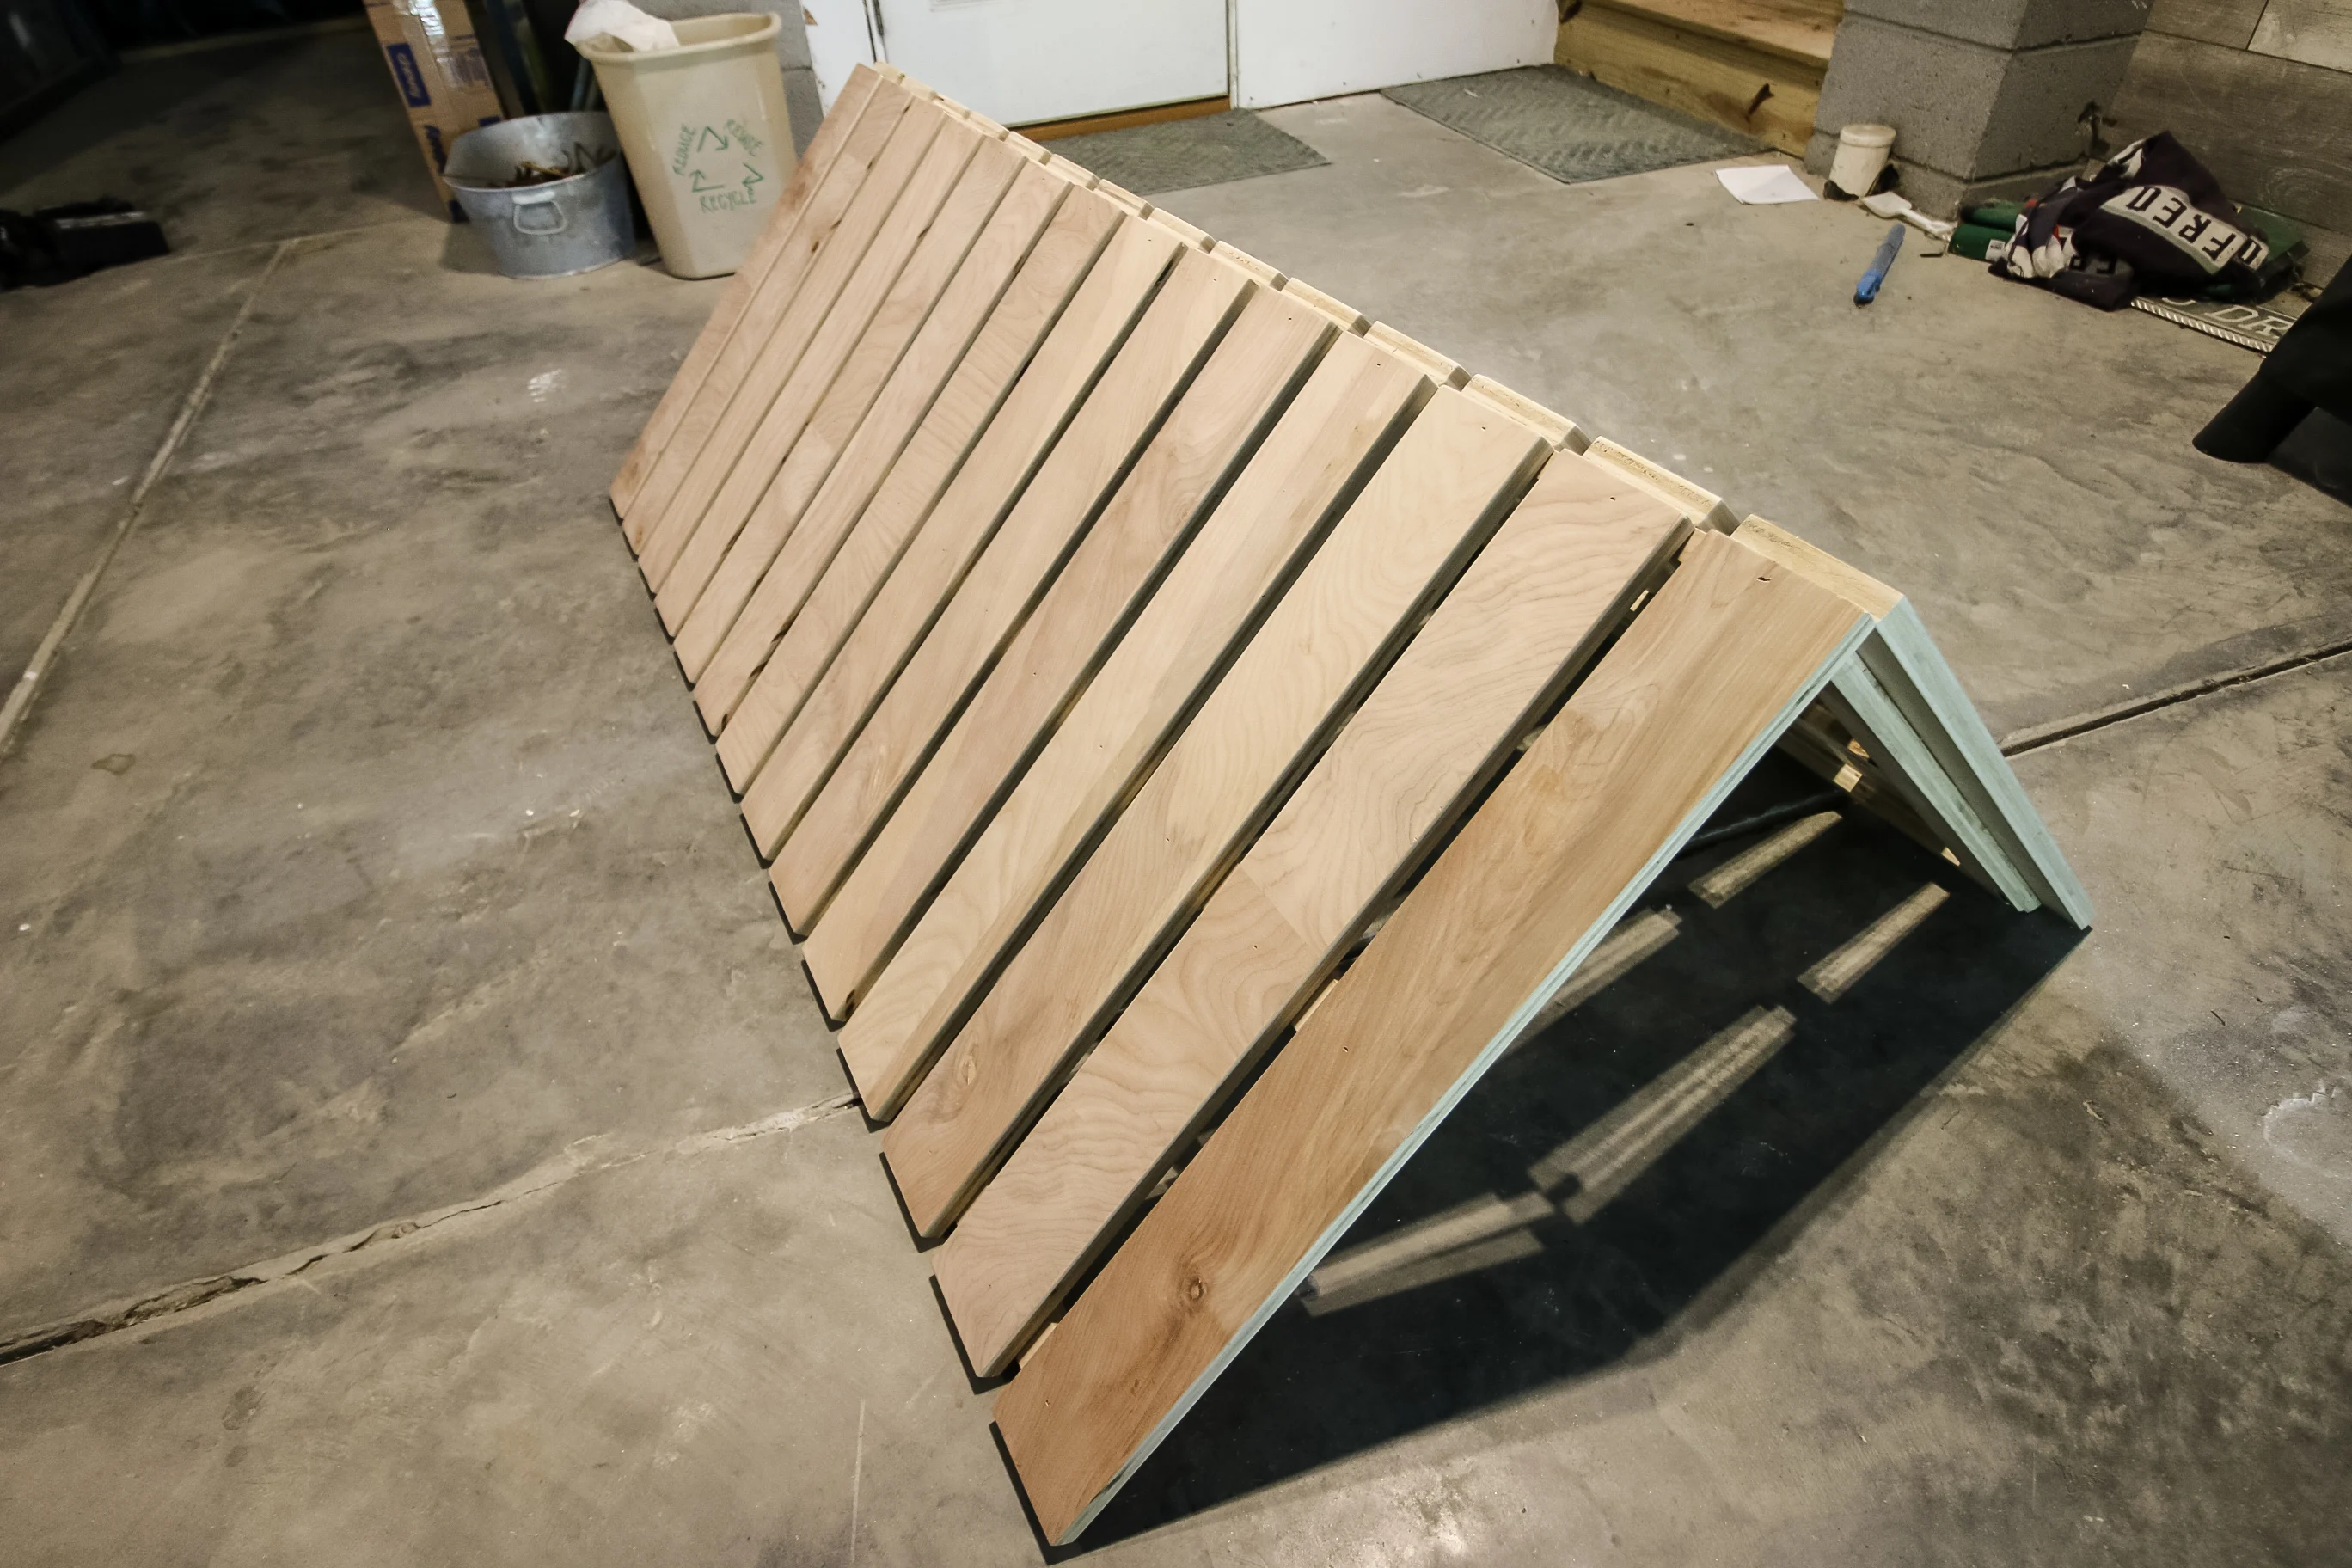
(1762, 183)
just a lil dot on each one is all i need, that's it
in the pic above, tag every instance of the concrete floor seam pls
(2023, 742)
(29, 685)
(96, 1322)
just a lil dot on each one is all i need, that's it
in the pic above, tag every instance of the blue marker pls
(1867, 289)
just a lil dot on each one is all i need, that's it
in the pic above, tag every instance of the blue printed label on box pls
(404, 72)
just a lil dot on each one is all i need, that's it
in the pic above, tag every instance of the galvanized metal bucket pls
(557, 227)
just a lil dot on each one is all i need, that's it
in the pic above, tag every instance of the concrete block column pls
(1989, 99)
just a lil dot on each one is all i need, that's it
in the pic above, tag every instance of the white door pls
(1288, 50)
(1018, 61)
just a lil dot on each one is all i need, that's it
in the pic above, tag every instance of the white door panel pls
(1022, 61)
(840, 40)
(1285, 51)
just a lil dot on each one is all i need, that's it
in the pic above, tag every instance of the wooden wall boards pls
(1110, 638)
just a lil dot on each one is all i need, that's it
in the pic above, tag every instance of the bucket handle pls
(533, 200)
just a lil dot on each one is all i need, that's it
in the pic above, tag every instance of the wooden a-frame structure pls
(1196, 729)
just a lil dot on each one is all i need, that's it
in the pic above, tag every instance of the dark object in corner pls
(2298, 410)
(57, 244)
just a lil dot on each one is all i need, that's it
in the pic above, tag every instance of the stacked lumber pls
(1193, 728)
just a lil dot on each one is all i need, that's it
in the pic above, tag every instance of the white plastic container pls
(1861, 154)
(706, 132)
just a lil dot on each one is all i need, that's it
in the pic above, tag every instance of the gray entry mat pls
(1180, 154)
(1568, 126)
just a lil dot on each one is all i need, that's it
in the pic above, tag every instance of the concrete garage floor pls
(408, 1096)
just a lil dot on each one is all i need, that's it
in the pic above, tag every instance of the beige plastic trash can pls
(706, 132)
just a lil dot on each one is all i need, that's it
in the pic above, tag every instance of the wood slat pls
(748, 281)
(798, 607)
(1338, 428)
(812, 239)
(1212, 430)
(1436, 500)
(797, 443)
(836, 302)
(1557, 581)
(848, 449)
(1730, 651)
(851, 677)
(879, 745)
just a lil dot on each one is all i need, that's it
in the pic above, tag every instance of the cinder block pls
(1966, 110)
(1938, 92)
(2037, 119)
(2009, 23)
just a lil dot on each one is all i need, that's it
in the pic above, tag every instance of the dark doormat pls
(1568, 126)
(1180, 154)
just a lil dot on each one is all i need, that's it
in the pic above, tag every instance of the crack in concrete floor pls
(578, 1158)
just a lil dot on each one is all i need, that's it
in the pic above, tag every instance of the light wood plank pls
(1348, 317)
(1730, 650)
(1557, 428)
(1705, 506)
(813, 237)
(1436, 500)
(879, 741)
(1444, 371)
(1342, 423)
(1762, 94)
(1799, 32)
(849, 445)
(800, 606)
(808, 434)
(1559, 579)
(749, 280)
(1212, 431)
(847, 684)
(882, 226)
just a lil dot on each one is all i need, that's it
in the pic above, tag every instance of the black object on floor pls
(57, 244)
(2296, 413)
(1568, 126)
(2319, 452)
(1182, 154)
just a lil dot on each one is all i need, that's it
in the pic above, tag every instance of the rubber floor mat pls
(1182, 154)
(1568, 126)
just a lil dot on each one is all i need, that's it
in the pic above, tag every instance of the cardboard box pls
(437, 64)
